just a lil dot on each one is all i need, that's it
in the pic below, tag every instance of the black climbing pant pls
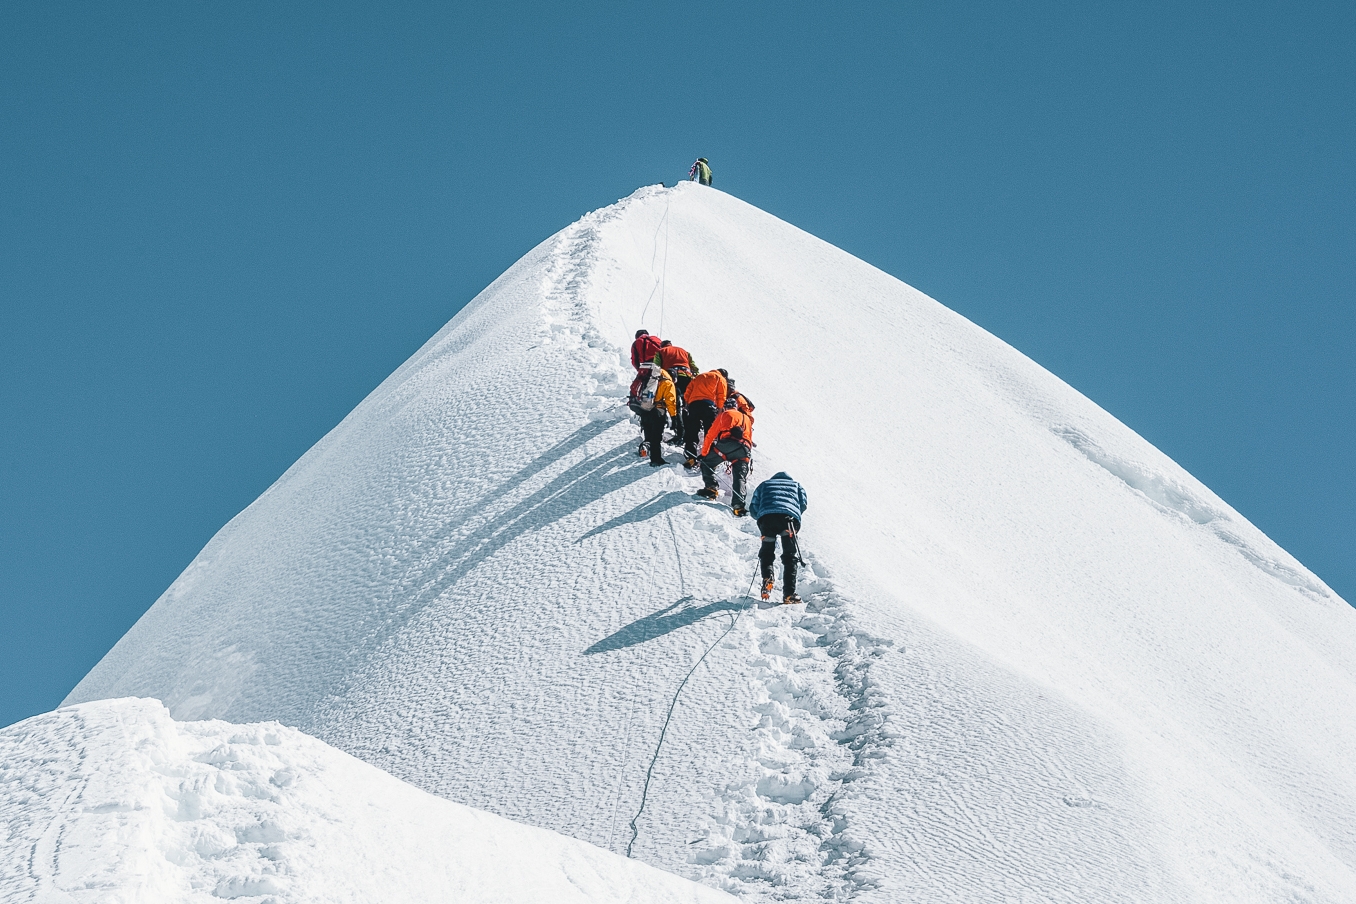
(697, 419)
(652, 424)
(680, 382)
(737, 454)
(786, 527)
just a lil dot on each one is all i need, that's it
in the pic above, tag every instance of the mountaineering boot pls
(740, 511)
(690, 463)
(791, 599)
(708, 492)
(644, 450)
(767, 587)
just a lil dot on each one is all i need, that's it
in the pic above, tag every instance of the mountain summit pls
(1037, 660)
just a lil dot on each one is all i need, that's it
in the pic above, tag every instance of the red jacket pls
(643, 350)
(724, 423)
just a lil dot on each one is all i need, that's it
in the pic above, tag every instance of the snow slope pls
(1039, 661)
(115, 802)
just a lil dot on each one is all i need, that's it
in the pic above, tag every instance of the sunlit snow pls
(115, 803)
(1038, 661)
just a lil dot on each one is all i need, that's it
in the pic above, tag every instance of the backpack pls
(650, 387)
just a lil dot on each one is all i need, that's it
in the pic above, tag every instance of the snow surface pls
(114, 802)
(1038, 660)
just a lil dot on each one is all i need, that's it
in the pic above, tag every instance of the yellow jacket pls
(666, 396)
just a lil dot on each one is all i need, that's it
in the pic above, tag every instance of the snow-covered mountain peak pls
(1038, 660)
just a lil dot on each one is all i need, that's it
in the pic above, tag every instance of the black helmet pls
(723, 372)
(640, 333)
(732, 402)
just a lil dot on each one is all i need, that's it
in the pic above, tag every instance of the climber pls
(655, 403)
(777, 506)
(729, 438)
(701, 171)
(741, 400)
(681, 367)
(642, 353)
(703, 398)
(644, 348)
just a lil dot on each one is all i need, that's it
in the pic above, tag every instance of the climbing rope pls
(673, 704)
(660, 280)
(664, 271)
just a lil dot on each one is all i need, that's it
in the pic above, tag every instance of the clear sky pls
(221, 225)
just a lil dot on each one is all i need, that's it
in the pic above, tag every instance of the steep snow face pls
(115, 802)
(1038, 660)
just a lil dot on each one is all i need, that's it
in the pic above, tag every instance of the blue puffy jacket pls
(778, 495)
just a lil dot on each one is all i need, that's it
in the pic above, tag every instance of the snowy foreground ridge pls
(116, 802)
(1038, 660)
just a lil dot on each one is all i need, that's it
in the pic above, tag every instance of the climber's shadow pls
(672, 617)
(658, 505)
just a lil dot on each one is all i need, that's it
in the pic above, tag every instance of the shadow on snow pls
(672, 617)
(580, 484)
(648, 509)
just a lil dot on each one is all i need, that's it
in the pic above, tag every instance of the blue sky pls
(223, 224)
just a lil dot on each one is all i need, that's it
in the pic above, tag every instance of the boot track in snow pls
(782, 830)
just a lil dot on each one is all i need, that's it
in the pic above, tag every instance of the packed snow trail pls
(1038, 660)
(114, 802)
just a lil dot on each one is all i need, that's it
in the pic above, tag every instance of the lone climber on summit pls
(701, 171)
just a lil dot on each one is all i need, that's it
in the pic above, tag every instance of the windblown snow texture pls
(1038, 660)
(113, 802)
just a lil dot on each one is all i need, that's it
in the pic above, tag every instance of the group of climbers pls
(713, 423)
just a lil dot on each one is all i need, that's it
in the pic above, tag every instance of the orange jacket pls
(709, 386)
(724, 422)
(671, 356)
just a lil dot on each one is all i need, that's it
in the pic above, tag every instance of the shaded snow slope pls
(1038, 661)
(114, 802)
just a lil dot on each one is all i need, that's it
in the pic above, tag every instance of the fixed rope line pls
(664, 272)
(663, 222)
(673, 704)
(649, 773)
